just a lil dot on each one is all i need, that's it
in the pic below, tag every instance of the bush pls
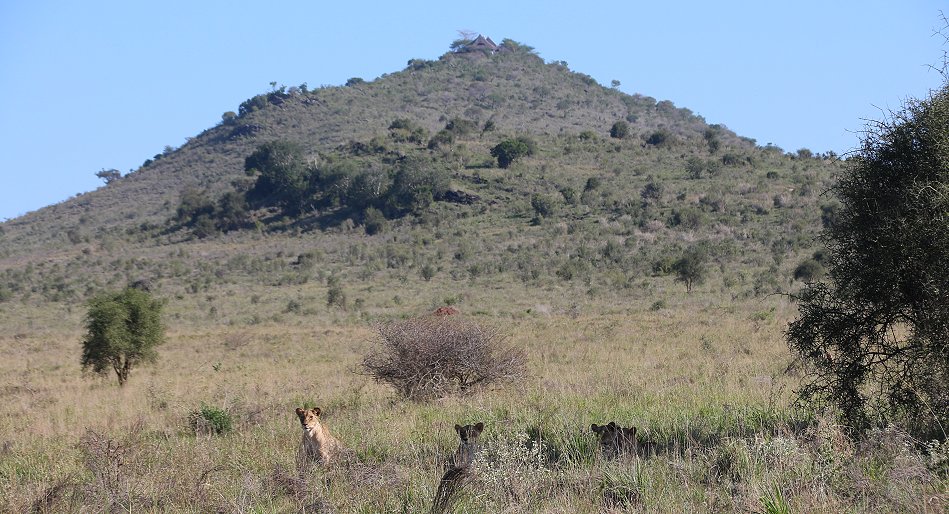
(808, 271)
(544, 205)
(659, 138)
(510, 150)
(210, 420)
(619, 130)
(437, 356)
(690, 268)
(336, 297)
(374, 222)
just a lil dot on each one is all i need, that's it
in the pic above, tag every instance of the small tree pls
(619, 130)
(283, 175)
(109, 176)
(510, 150)
(122, 331)
(690, 268)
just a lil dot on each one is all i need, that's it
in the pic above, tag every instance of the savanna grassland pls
(572, 251)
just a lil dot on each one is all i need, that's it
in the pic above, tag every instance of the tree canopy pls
(122, 331)
(874, 338)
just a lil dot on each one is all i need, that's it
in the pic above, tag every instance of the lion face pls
(469, 433)
(309, 418)
(615, 439)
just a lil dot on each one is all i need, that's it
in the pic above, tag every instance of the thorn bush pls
(437, 356)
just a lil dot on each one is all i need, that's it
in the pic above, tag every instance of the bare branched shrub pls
(437, 356)
(107, 460)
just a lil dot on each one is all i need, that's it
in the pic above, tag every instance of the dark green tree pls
(873, 339)
(122, 331)
(231, 212)
(690, 269)
(510, 150)
(283, 177)
(415, 185)
(619, 130)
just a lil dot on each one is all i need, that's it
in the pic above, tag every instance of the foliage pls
(199, 212)
(416, 184)
(808, 270)
(619, 130)
(518, 48)
(406, 130)
(873, 338)
(210, 420)
(122, 331)
(659, 138)
(373, 221)
(510, 150)
(109, 176)
(283, 177)
(436, 356)
(336, 297)
(544, 205)
(691, 269)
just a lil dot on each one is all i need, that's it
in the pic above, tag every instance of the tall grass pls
(720, 432)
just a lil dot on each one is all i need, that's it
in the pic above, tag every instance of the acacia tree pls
(690, 269)
(109, 176)
(873, 339)
(122, 331)
(510, 150)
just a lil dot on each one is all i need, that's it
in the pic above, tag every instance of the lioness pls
(318, 443)
(458, 468)
(616, 440)
(469, 446)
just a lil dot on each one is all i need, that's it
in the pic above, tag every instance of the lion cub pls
(458, 468)
(318, 443)
(616, 440)
(469, 446)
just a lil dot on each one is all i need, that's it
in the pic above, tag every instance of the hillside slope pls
(587, 212)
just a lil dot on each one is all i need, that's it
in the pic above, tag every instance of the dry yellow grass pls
(705, 383)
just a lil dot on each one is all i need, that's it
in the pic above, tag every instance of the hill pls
(586, 211)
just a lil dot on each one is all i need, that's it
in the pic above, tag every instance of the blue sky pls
(106, 84)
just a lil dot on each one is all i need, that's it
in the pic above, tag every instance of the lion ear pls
(596, 428)
(612, 424)
(479, 427)
(317, 411)
(300, 412)
(458, 428)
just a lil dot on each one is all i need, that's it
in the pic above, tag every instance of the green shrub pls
(336, 297)
(808, 271)
(374, 222)
(210, 420)
(659, 138)
(619, 130)
(544, 205)
(509, 150)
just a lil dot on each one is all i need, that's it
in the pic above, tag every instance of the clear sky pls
(87, 85)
